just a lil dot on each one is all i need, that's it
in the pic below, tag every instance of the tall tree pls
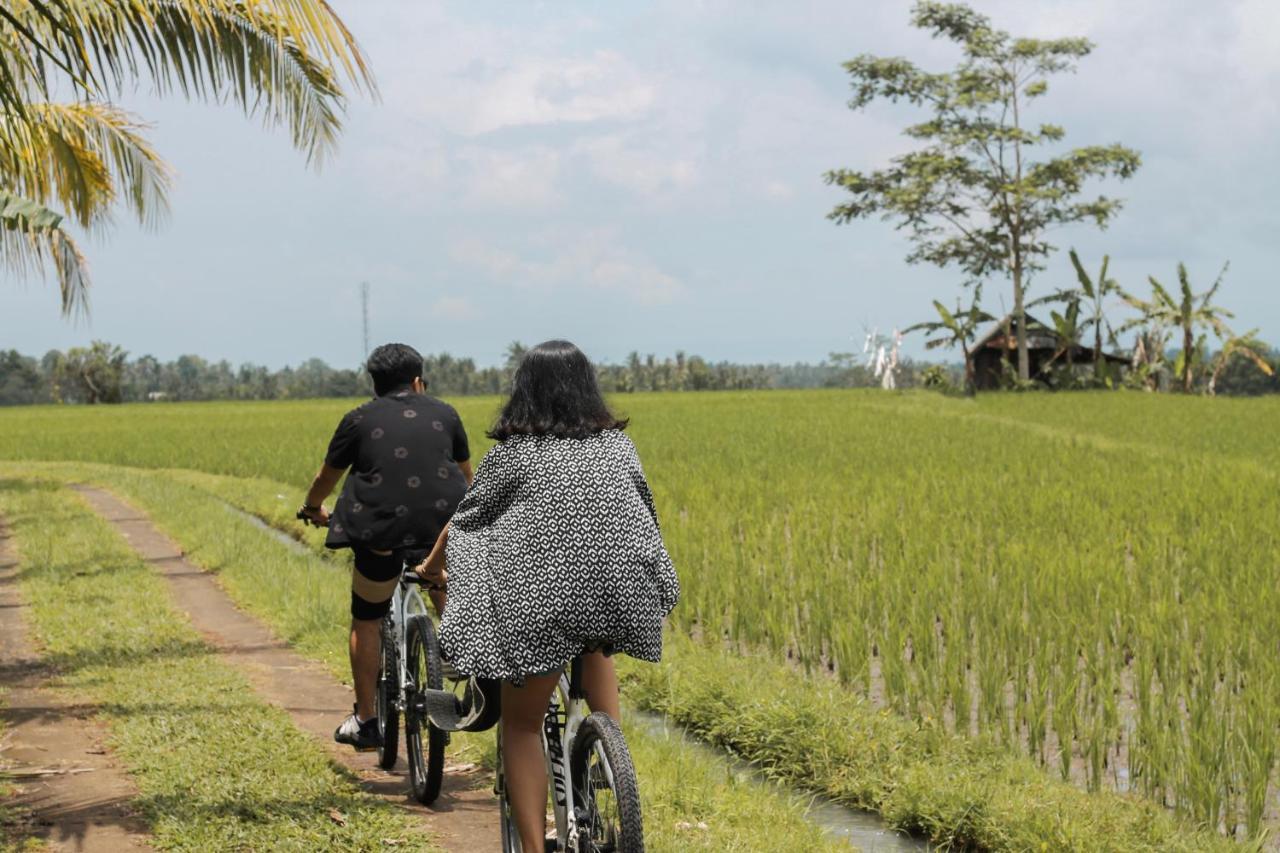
(1188, 313)
(280, 60)
(93, 374)
(972, 197)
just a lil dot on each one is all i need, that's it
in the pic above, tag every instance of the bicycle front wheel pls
(422, 663)
(388, 694)
(606, 796)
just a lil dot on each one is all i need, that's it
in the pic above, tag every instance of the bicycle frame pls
(564, 717)
(406, 603)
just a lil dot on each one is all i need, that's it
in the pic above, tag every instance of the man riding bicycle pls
(407, 463)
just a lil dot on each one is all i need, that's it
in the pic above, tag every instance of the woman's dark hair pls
(554, 392)
(393, 367)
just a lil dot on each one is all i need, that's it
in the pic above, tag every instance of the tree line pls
(105, 373)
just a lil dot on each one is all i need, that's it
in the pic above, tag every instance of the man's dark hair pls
(554, 392)
(393, 367)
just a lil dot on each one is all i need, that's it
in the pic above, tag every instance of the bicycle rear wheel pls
(422, 663)
(387, 694)
(606, 796)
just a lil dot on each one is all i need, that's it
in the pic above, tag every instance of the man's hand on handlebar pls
(318, 516)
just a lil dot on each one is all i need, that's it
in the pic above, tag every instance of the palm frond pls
(84, 157)
(279, 59)
(31, 235)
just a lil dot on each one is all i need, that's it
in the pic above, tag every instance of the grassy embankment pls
(690, 803)
(216, 769)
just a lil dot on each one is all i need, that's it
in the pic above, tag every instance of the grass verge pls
(691, 803)
(216, 768)
(959, 792)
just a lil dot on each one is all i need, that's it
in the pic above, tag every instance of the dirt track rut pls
(76, 795)
(465, 816)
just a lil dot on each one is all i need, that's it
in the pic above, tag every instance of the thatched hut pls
(1044, 349)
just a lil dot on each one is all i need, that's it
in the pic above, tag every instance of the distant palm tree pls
(1246, 345)
(956, 329)
(277, 59)
(1189, 313)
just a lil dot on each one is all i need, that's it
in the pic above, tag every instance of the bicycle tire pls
(612, 824)
(506, 824)
(422, 661)
(387, 694)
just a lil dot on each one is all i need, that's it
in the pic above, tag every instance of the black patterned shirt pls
(404, 482)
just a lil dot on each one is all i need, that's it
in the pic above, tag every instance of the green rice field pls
(1088, 581)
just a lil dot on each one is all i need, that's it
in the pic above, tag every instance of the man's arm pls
(321, 487)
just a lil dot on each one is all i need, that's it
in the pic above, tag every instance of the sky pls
(649, 177)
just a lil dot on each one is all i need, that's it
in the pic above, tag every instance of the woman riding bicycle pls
(554, 552)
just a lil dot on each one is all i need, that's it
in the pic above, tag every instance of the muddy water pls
(278, 535)
(861, 829)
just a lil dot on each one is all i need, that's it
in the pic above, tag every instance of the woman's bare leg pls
(600, 679)
(523, 710)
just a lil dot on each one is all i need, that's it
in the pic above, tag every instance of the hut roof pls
(1039, 337)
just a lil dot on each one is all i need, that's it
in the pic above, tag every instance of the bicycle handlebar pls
(305, 518)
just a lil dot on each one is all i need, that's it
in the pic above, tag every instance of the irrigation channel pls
(863, 830)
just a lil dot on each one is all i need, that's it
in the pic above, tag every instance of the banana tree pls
(1090, 295)
(284, 61)
(956, 330)
(1246, 345)
(1096, 290)
(1067, 327)
(1190, 312)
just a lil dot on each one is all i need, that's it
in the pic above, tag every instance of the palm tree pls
(1246, 345)
(1191, 312)
(957, 329)
(280, 60)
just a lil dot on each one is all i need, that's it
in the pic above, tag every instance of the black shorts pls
(373, 582)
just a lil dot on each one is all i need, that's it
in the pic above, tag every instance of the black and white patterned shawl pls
(555, 549)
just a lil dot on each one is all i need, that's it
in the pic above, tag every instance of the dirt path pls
(76, 795)
(464, 817)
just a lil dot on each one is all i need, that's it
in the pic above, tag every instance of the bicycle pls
(416, 686)
(594, 794)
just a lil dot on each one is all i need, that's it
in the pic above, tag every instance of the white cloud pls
(778, 190)
(589, 260)
(523, 178)
(643, 169)
(454, 308)
(539, 91)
